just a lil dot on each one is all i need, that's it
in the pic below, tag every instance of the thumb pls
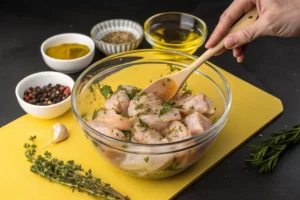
(244, 36)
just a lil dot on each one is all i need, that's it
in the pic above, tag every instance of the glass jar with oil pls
(175, 31)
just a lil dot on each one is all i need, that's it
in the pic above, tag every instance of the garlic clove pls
(60, 133)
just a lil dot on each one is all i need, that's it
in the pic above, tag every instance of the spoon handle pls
(246, 20)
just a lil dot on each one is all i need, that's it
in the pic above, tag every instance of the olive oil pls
(177, 37)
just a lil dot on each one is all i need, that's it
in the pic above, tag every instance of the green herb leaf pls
(179, 106)
(125, 115)
(127, 135)
(138, 96)
(106, 91)
(165, 109)
(69, 174)
(95, 113)
(146, 159)
(184, 89)
(215, 119)
(265, 156)
(83, 116)
(139, 106)
(173, 68)
(173, 165)
(143, 124)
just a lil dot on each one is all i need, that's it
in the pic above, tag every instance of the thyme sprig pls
(266, 155)
(69, 174)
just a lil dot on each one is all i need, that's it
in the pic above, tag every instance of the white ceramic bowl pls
(41, 79)
(68, 66)
(105, 27)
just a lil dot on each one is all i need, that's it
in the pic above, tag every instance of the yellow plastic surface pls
(251, 110)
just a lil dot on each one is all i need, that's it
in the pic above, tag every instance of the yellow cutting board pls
(252, 109)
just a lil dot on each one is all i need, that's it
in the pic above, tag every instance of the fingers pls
(220, 52)
(233, 12)
(240, 58)
(239, 53)
(244, 36)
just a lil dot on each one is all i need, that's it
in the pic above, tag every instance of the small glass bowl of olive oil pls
(175, 31)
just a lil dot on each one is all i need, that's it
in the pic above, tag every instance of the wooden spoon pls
(168, 86)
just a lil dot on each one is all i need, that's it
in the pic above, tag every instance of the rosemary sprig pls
(69, 174)
(266, 155)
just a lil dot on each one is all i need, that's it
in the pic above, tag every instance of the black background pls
(271, 64)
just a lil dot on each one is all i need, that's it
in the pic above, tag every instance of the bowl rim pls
(192, 43)
(67, 60)
(92, 33)
(204, 134)
(36, 75)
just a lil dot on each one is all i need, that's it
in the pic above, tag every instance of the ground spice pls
(68, 51)
(119, 37)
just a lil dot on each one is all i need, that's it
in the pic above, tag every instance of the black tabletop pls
(271, 64)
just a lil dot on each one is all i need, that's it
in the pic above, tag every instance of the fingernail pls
(230, 43)
(240, 59)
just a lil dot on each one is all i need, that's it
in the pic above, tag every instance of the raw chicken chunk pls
(200, 103)
(113, 119)
(134, 162)
(197, 123)
(119, 101)
(142, 133)
(154, 121)
(107, 130)
(148, 108)
(177, 131)
(144, 103)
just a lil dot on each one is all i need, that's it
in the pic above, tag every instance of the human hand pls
(276, 18)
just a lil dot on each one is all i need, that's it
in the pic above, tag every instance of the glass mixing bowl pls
(139, 67)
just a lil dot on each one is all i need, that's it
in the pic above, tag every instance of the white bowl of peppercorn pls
(45, 95)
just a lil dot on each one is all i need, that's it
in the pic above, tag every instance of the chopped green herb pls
(215, 119)
(132, 129)
(83, 116)
(163, 84)
(172, 130)
(127, 135)
(145, 112)
(165, 109)
(92, 91)
(180, 129)
(124, 146)
(120, 87)
(143, 124)
(184, 89)
(172, 68)
(96, 112)
(179, 106)
(96, 82)
(146, 159)
(106, 91)
(139, 106)
(138, 96)
(173, 165)
(125, 115)
(133, 93)
(192, 108)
